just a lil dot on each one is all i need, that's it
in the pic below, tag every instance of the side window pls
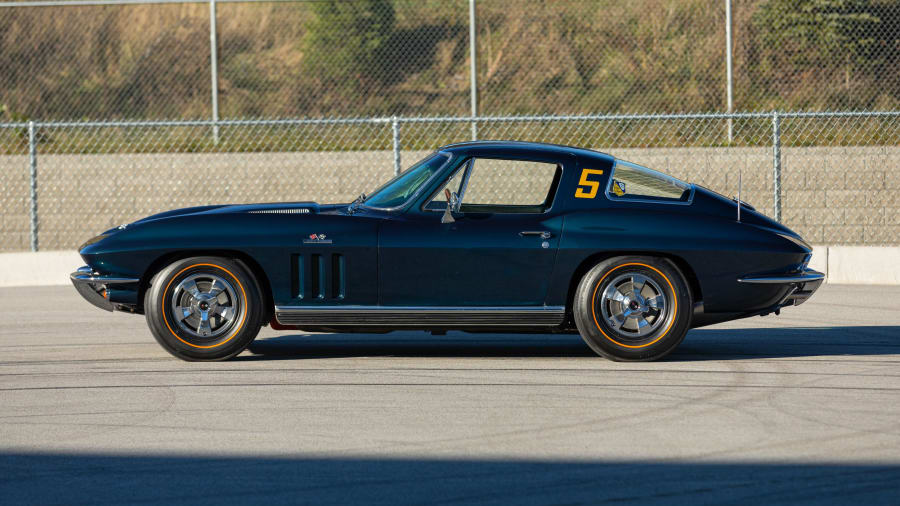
(439, 202)
(633, 181)
(510, 186)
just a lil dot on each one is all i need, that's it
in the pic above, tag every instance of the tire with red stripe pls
(633, 308)
(204, 308)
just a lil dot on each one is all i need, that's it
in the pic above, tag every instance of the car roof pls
(476, 148)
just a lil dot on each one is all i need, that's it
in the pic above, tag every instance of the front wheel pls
(203, 308)
(633, 308)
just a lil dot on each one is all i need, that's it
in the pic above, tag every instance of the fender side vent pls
(317, 280)
(298, 269)
(338, 285)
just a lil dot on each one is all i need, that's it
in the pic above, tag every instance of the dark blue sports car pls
(478, 237)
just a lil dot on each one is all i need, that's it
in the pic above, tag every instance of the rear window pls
(631, 181)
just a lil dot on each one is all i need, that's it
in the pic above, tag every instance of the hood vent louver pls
(300, 210)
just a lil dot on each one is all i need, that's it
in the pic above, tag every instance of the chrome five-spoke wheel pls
(633, 305)
(204, 305)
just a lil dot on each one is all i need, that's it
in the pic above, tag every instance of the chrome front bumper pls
(803, 284)
(94, 287)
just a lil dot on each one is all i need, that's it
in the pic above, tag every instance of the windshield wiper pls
(356, 203)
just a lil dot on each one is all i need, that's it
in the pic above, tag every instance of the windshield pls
(398, 190)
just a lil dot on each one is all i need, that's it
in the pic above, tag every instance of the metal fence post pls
(740, 200)
(730, 82)
(473, 85)
(776, 156)
(32, 165)
(214, 69)
(395, 127)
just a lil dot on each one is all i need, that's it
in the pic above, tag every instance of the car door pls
(499, 251)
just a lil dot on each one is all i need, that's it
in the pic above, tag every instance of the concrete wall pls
(841, 265)
(44, 268)
(830, 195)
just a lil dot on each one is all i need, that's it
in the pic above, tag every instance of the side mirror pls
(452, 205)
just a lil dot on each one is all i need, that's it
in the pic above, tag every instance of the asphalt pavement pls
(802, 407)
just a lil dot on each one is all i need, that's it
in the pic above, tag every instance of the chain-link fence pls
(118, 59)
(111, 110)
(64, 182)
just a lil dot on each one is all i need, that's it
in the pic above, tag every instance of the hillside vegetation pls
(382, 57)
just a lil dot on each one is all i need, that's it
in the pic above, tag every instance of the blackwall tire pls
(633, 308)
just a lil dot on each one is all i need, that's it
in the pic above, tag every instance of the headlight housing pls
(93, 240)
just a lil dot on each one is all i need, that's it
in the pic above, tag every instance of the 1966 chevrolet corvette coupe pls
(481, 237)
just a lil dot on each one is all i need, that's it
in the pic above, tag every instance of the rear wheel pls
(633, 308)
(203, 308)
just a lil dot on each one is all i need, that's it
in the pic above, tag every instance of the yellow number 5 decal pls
(587, 189)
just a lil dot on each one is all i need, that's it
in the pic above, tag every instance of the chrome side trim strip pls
(435, 309)
(419, 316)
(800, 277)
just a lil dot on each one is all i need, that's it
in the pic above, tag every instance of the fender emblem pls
(316, 239)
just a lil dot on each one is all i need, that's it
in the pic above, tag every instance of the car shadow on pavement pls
(173, 479)
(417, 344)
(700, 344)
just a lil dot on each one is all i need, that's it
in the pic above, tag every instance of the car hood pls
(268, 208)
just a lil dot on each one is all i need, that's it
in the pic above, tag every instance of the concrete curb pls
(44, 268)
(866, 265)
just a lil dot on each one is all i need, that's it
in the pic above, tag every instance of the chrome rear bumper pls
(803, 284)
(94, 287)
(800, 277)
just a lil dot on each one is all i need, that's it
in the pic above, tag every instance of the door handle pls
(543, 234)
